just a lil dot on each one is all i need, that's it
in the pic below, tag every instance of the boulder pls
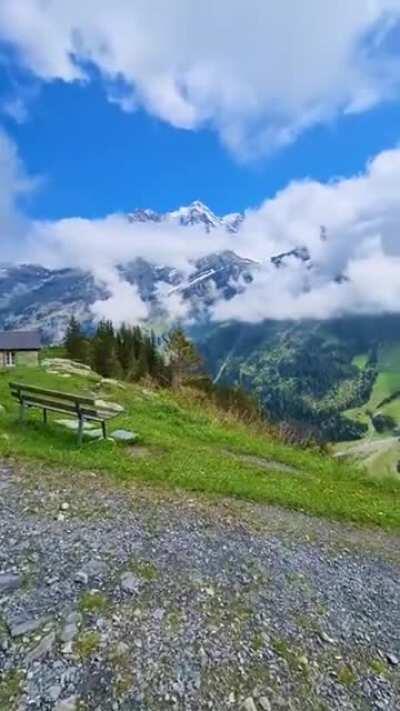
(125, 436)
(112, 382)
(60, 366)
(104, 405)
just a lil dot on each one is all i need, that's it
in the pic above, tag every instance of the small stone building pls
(19, 348)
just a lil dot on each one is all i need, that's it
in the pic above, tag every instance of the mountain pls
(304, 372)
(195, 214)
(32, 295)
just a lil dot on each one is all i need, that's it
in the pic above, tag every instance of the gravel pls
(142, 599)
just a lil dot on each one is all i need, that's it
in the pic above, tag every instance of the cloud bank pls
(355, 269)
(258, 72)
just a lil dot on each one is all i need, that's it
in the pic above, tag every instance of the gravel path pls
(133, 598)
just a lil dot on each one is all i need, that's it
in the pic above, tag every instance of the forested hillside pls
(334, 377)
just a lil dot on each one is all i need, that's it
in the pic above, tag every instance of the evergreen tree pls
(183, 356)
(75, 343)
(125, 351)
(104, 359)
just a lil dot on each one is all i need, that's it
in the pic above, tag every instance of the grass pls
(379, 455)
(191, 442)
(144, 569)
(10, 689)
(386, 384)
(92, 602)
(346, 676)
(87, 644)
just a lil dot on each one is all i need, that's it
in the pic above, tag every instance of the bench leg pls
(45, 416)
(22, 410)
(80, 431)
(103, 427)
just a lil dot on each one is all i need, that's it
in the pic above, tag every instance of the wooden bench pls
(84, 408)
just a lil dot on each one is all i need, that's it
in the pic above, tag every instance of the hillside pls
(379, 450)
(184, 442)
(325, 376)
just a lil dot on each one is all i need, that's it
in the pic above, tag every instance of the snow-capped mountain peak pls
(32, 295)
(197, 213)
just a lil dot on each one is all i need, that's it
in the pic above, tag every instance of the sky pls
(288, 112)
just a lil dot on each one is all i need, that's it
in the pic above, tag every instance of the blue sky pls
(96, 159)
(118, 106)
(289, 108)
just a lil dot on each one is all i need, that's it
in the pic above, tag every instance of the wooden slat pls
(56, 401)
(56, 408)
(47, 404)
(63, 407)
(44, 403)
(56, 394)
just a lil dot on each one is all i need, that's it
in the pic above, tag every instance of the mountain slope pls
(309, 372)
(185, 442)
(326, 376)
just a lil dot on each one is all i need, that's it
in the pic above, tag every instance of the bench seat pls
(84, 408)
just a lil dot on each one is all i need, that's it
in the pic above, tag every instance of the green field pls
(185, 442)
(386, 384)
(378, 452)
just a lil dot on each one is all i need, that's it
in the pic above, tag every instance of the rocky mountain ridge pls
(32, 295)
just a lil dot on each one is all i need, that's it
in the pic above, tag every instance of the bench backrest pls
(53, 399)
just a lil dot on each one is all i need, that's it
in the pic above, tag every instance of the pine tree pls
(75, 343)
(125, 351)
(104, 359)
(184, 358)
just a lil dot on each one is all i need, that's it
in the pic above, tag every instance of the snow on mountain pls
(31, 295)
(194, 214)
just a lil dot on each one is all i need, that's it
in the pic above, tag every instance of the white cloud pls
(361, 215)
(14, 185)
(362, 220)
(259, 71)
(124, 305)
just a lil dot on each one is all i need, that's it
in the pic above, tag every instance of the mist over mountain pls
(286, 323)
(34, 295)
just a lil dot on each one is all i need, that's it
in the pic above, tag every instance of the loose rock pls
(41, 650)
(129, 583)
(81, 577)
(25, 627)
(9, 582)
(393, 660)
(70, 704)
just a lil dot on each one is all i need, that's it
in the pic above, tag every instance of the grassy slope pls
(188, 443)
(379, 453)
(388, 380)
